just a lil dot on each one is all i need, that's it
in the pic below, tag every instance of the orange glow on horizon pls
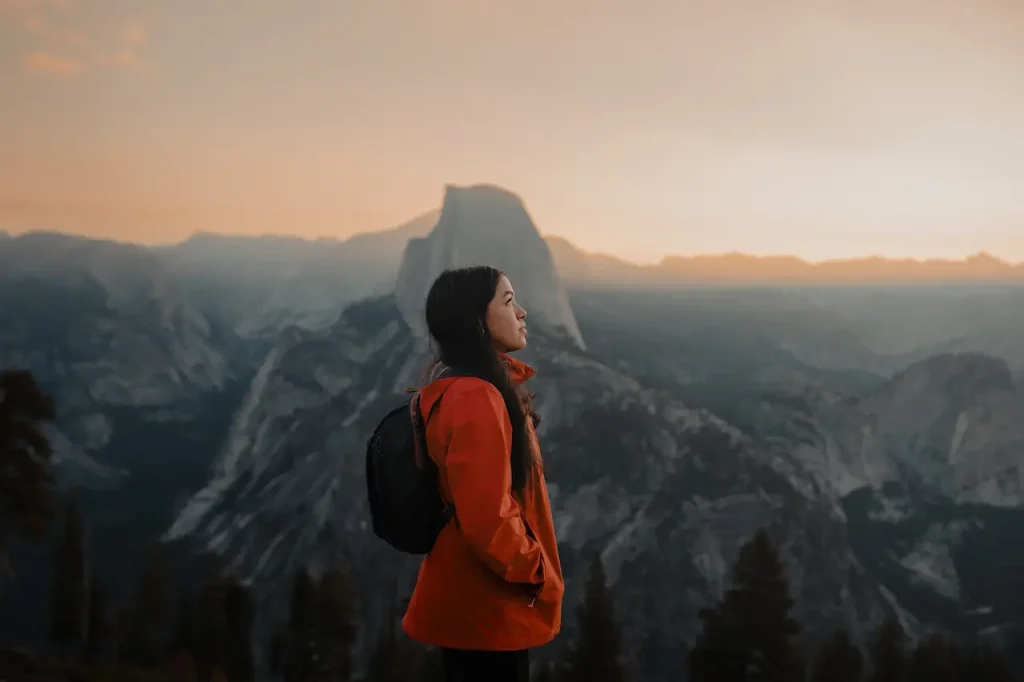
(827, 131)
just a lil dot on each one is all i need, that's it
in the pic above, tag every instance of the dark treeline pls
(163, 632)
(748, 635)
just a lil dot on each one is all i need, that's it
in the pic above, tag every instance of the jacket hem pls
(428, 639)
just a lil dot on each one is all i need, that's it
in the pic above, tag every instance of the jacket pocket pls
(533, 590)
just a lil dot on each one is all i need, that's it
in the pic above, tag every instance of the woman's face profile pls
(506, 319)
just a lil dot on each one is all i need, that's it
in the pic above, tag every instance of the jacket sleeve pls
(480, 479)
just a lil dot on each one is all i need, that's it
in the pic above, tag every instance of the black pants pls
(486, 666)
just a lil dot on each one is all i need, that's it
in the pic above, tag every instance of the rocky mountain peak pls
(484, 224)
(960, 377)
(126, 273)
(107, 313)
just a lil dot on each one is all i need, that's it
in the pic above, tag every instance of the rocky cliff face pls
(485, 225)
(947, 424)
(665, 491)
(140, 379)
(103, 328)
(927, 470)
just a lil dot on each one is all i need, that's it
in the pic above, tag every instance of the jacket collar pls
(518, 371)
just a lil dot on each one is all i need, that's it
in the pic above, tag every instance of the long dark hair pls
(456, 314)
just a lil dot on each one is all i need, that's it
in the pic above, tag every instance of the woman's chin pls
(512, 346)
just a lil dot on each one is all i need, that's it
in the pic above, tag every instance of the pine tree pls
(238, 620)
(70, 592)
(393, 659)
(750, 634)
(889, 652)
(981, 662)
(300, 649)
(431, 666)
(837, 660)
(933, 660)
(546, 672)
(277, 650)
(150, 612)
(595, 654)
(336, 625)
(183, 641)
(209, 648)
(98, 631)
(25, 453)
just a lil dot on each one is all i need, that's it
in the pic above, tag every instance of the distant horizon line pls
(666, 259)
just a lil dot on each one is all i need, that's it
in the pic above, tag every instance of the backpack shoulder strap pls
(446, 373)
(449, 510)
(420, 423)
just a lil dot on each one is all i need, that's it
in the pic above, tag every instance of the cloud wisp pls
(60, 40)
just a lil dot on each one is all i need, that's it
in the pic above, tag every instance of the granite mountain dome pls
(486, 225)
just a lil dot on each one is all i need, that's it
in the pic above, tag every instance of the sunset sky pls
(642, 128)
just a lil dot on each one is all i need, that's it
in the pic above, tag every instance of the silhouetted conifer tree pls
(837, 660)
(238, 620)
(336, 625)
(888, 649)
(981, 662)
(595, 653)
(184, 638)
(431, 666)
(750, 634)
(277, 650)
(209, 649)
(70, 592)
(25, 453)
(150, 612)
(121, 618)
(99, 628)
(300, 647)
(546, 672)
(933, 660)
(393, 659)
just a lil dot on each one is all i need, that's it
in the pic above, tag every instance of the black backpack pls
(406, 507)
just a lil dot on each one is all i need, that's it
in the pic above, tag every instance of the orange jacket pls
(493, 581)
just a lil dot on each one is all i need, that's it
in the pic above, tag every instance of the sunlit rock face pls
(485, 225)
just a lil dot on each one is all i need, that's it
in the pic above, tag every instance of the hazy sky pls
(642, 128)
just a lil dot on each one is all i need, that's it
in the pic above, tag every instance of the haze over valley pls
(772, 255)
(216, 394)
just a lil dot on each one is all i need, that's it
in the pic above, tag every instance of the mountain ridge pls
(974, 264)
(736, 266)
(579, 263)
(852, 477)
(632, 473)
(484, 224)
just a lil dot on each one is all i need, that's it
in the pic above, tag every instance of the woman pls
(491, 588)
